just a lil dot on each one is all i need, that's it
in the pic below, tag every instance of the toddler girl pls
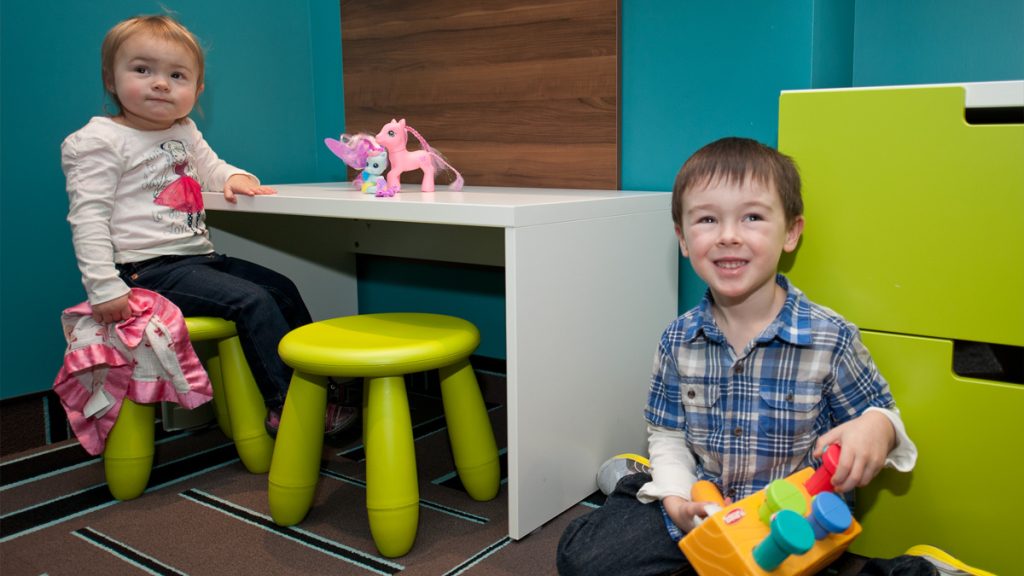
(135, 182)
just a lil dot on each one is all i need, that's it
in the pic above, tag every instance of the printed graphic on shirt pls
(176, 188)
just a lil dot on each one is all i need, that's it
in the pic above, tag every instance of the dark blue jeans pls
(622, 538)
(263, 304)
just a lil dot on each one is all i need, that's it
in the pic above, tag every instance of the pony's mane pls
(421, 139)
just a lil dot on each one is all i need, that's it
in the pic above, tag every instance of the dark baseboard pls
(31, 421)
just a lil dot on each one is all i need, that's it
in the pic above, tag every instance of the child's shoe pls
(336, 419)
(339, 418)
(946, 564)
(619, 466)
(273, 421)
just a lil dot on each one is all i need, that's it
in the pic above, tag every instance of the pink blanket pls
(148, 358)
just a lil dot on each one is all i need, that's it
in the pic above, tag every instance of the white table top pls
(472, 206)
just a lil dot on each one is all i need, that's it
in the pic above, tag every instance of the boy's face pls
(155, 81)
(734, 234)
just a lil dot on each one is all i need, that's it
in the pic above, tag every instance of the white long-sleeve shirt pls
(115, 174)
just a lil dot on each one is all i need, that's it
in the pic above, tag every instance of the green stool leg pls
(295, 467)
(392, 494)
(246, 409)
(469, 430)
(128, 454)
(365, 407)
(220, 400)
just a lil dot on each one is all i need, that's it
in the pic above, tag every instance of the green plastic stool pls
(381, 348)
(128, 454)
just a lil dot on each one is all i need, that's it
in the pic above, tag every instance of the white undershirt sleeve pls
(673, 467)
(904, 455)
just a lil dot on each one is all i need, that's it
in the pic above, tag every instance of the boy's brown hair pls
(159, 26)
(737, 160)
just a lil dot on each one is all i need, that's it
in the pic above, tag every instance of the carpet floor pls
(203, 513)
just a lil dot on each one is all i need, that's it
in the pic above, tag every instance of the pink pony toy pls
(361, 152)
(394, 136)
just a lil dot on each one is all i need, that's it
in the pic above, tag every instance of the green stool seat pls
(128, 454)
(381, 348)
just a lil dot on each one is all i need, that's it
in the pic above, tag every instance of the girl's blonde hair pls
(159, 26)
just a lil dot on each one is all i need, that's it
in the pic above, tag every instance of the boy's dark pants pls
(623, 538)
(264, 305)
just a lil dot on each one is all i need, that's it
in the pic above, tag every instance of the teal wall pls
(937, 41)
(691, 72)
(476, 293)
(273, 91)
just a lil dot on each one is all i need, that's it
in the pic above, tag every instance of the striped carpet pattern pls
(203, 513)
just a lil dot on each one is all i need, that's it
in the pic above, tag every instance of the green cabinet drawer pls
(964, 494)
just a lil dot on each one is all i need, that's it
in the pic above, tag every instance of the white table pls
(590, 283)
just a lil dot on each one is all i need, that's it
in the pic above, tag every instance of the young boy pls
(748, 387)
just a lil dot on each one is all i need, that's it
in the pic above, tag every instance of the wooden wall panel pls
(513, 93)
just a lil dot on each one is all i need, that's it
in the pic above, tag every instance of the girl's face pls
(155, 80)
(734, 235)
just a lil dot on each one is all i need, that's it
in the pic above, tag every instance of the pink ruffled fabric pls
(147, 358)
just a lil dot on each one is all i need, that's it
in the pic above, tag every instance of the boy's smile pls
(734, 234)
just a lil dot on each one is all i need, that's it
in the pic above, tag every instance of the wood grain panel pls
(512, 93)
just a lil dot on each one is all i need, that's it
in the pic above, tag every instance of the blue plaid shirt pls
(752, 418)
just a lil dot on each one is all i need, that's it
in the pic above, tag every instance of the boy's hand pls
(112, 310)
(246, 185)
(866, 441)
(682, 511)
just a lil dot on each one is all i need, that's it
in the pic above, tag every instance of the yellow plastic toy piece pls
(723, 544)
(704, 491)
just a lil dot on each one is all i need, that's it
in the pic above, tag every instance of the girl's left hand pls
(245, 185)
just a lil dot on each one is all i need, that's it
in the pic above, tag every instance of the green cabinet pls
(915, 232)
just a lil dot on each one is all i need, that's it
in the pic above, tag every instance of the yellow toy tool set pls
(794, 526)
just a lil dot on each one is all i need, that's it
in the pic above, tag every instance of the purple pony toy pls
(361, 152)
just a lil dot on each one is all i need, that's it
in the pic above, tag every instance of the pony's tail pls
(439, 161)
